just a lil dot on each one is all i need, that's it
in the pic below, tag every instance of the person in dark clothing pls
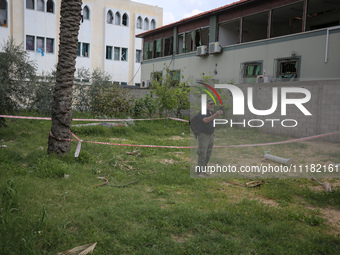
(206, 135)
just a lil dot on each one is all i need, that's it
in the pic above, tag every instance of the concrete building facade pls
(259, 44)
(106, 37)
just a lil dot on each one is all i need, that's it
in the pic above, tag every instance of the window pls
(117, 53)
(124, 56)
(86, 49)
(49, 45)
(30, 4)
(157, 50)
(175, 76)
(201, 37)
(3, 13)
(108, 52)
(125, 20)
(40, 5)
(138, 56)
(156, 76)
(168, 46)
(117, 18)
(288, 68)
(79, 49)
(50, 6)
(148, 50)
(153, 24)
(86, 13)
(29, 42)
(109, 17)
(139, 22)
(41, 44)
(252, 69)
(146, 24)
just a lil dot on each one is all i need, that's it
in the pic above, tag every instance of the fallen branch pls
(80, 250)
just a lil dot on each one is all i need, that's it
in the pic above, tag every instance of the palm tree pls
(61, 110)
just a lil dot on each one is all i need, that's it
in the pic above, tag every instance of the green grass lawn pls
(150, 204)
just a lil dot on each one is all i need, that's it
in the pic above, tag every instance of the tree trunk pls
(62, 107)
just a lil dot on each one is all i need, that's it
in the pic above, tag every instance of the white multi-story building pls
(106, 37)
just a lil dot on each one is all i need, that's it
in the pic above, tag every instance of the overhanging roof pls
(195, 17)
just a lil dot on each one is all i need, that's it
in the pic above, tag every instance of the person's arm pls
(212, 117)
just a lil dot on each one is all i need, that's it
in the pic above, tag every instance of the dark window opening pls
(139, 22)
(254, 27)
(108, 52)
(124, 56)
(3, 13)
(30, 4)
(117, 18)
(138, 56)
(146, 24)
(117, 53)
(168, 46)
(50, 6)
(86, 49)
(125, 20)
(175, 77)
(148, 50)
(86, 13)
(229, 33)
(322, 14)
(288, 69)
(153, 24)
(287, 20)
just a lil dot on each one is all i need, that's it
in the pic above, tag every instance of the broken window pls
(49, 45)
(185, 42)
(86, 13)
(229, 32)
(109, 17)
(117, 18)
(288, 68)
(29, 42)
(157, 50)
(117, 53)
(287, 20)
(321, 14)
(252, 69)
(50, 6)
(108, 52)
(86, 49)
(40, 5)
(254, 27)
(30, 4)
(124, 56)
(201, 37)
(168, 46)
(139, 22)
(3, 13)
(125, 20)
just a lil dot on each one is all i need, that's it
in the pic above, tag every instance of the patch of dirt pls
(181, 238)
(176, 137)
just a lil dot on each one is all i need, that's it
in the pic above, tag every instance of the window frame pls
(85, 50)
(139, 55)
(52, 44)
(124, 55)
(86, 13)
(116, 53)
(48, 4)
(33, 42)
(108, 54)
(109, 14)
(32, 2)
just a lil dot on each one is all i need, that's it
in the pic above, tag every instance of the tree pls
(171, 94)
(17, 76)
(62, 105)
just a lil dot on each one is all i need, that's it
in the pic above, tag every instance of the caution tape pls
(163, 146)
(90, 120)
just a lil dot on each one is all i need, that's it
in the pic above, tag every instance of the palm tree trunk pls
(62, 107)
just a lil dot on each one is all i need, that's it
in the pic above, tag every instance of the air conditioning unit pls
(201, 50)
(262, 79)
(145, 84)
(215, 47)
